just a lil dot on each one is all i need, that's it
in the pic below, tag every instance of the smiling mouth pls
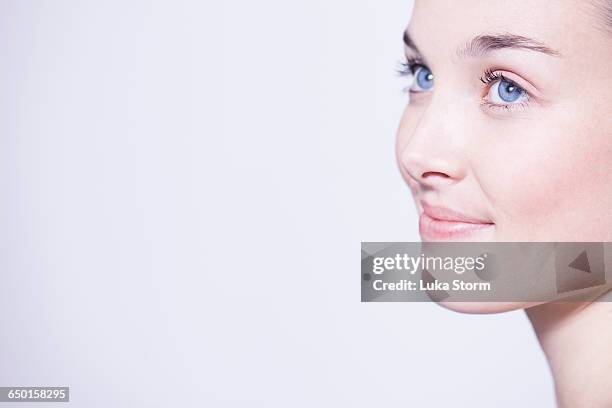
(440, 223)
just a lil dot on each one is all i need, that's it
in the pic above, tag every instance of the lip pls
(440, 223)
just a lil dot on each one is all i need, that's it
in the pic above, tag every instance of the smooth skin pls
(538, 168)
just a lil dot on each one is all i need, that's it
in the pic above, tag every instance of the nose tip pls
(430, 170)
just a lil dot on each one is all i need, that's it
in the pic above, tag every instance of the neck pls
(577, 340)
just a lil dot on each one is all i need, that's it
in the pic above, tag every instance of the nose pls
(431, 152)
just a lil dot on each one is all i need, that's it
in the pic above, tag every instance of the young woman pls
(507, 136)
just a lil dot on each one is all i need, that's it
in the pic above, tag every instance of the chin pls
(486, 307)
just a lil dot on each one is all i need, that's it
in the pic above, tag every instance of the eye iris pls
(425, 78)
(508, 91)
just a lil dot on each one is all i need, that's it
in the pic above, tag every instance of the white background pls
(185, 186)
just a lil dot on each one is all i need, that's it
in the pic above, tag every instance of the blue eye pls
(505, 92)
(423, 80)
(508, 91)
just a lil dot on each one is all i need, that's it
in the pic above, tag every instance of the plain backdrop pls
(185, 185)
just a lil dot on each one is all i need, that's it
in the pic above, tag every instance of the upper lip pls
(446, 214)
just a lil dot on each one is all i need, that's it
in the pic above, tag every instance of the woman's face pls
(508, 132)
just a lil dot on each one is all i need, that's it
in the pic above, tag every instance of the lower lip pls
(434, 229)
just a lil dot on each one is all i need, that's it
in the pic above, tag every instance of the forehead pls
(440, 27)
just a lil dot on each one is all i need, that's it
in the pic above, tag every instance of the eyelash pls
(489, 77)
(409, 66)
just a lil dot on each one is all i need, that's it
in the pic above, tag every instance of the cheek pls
(406, 128)
(550, 186)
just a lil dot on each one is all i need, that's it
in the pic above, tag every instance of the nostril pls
(434, 173)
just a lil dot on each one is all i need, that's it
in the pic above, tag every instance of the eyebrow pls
(410, 43)
(484, 44)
